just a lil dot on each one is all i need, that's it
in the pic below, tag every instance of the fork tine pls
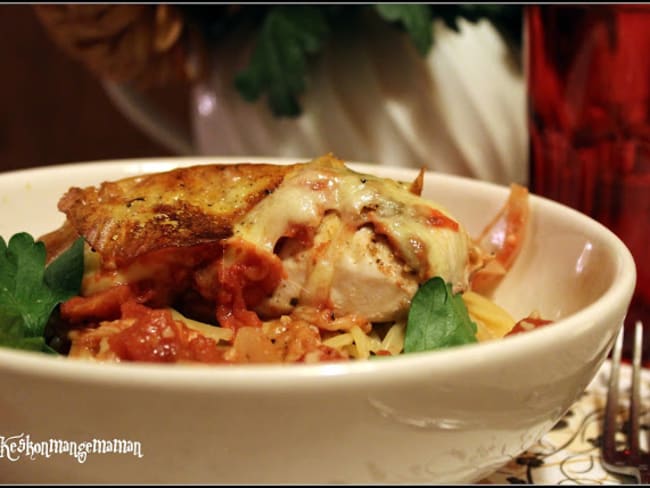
(635, 393)
(630, 461)
(611, 407)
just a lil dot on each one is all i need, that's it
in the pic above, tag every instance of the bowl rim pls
(353, 373)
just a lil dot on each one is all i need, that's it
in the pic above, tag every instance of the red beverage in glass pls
(588, 77)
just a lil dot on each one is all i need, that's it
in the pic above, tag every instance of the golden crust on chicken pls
(179, 208)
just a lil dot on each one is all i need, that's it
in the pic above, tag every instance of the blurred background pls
(386, 89)
(52, 110)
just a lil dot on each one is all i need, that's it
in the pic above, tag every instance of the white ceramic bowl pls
(451, 416)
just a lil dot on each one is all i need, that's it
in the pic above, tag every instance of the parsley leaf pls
(416, 19)
(288, 36)
(29, 291)
(279, 61)
(437, 319)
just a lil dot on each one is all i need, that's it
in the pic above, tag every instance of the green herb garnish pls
(279, 62)
(415, 19)
(437, 319)
(30, 291)
(289, 37)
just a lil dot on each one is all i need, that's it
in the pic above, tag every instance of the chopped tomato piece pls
(528, 323)
(104, 305)
(246, 275)
(503, 237)
(156, 337)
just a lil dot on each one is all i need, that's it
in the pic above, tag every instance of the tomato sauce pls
(435, 218)
(528, 323)
(105, 305)
(252, 275)
(156, 337)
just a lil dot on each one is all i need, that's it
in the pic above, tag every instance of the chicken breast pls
(355, 273)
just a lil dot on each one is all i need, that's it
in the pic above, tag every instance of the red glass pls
(588, 81)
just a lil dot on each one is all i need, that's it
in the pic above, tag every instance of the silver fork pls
(630, 460)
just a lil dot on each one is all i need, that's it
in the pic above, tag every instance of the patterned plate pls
(569, 454)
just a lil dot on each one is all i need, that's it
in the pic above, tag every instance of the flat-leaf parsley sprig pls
(438, 318)
(30, 290)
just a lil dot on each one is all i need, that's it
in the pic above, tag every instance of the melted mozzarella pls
(375, 242)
